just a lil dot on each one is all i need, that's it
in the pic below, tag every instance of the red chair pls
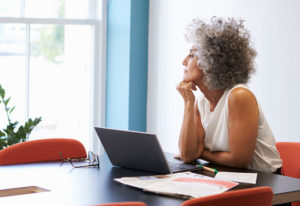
(289, 153)
(42, 150)
(257, 196)
(123, 204)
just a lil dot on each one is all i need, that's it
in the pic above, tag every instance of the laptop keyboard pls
(176, 166)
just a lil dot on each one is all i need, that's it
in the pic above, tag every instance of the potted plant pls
(11, 134)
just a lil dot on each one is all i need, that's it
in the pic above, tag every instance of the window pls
(49, 53)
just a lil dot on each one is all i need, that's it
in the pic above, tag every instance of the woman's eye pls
(191, 55)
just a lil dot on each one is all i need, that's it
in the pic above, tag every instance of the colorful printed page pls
(185, 184)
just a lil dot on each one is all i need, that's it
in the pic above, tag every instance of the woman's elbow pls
(188, 158)
(242, 162)
(191, 155)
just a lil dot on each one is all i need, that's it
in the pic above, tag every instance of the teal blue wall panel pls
(138, 65)
(117, 73)
(127, 64)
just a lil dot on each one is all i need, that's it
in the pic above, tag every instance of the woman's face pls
(192, 73)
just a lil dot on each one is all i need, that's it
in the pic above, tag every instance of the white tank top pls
(266, 157)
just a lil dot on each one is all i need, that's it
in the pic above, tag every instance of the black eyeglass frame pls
(92, 158)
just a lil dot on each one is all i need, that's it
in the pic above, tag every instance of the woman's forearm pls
(224, 158)
(189, 144)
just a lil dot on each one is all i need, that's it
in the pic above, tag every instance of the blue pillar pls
(127, 64)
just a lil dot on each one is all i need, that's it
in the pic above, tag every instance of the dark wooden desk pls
(285, 189)
(90, 186)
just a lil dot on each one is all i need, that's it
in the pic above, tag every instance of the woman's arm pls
(192, 133)
(242, 130)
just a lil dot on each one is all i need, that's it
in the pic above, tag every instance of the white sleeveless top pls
(266, 157)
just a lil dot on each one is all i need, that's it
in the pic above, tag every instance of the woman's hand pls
(185, 89)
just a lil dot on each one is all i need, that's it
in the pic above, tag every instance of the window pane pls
(77, 9)
(60, 81)
(45, 8)
(12, 71)
(10, 8)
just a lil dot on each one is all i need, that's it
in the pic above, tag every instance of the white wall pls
(275, 30)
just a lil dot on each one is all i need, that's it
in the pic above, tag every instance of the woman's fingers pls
(185, 89)
(193, 86)
(186, 86)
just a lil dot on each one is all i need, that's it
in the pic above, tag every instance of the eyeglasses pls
(92, 158)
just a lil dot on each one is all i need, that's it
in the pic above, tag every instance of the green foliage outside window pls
(51, 42)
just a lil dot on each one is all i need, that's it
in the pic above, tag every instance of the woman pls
(226, 125)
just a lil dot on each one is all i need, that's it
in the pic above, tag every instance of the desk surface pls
(90, 186)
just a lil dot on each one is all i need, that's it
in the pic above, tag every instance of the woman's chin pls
(185, 79)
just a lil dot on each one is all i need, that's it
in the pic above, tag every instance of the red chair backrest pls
(42, 150)
(123, 204)
(290, 153)
(258, 196)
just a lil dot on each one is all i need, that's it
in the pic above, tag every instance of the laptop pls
(138, 150)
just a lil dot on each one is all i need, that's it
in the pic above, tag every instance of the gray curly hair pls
(224, 51)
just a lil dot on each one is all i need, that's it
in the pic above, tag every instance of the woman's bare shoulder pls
(241, 97)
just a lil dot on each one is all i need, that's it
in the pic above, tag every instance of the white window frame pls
(98, 73)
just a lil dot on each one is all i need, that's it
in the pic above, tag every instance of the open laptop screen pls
(136, 150)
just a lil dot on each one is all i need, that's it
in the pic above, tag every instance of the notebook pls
(138, 150)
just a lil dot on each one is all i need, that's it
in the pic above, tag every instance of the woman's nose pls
(184, 62)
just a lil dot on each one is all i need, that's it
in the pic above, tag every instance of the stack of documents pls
(185, 184)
